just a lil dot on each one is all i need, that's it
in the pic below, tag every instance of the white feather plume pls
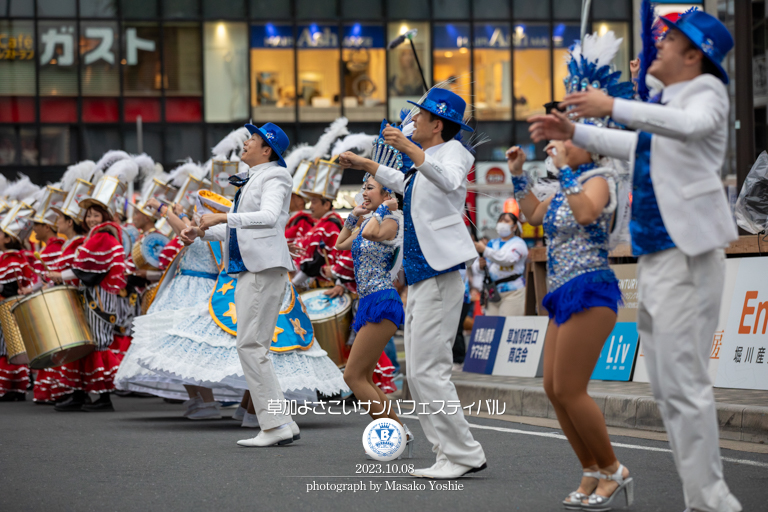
(109, 158)
(147, 169)
(125, 170)
(147, 183)
(360, 143)
(597, 49)
(301, 151)
(337, 129)
(180, 174)
(82, 170)
(234, 141)
(22, 188)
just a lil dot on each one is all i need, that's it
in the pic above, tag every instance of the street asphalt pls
(147, 457)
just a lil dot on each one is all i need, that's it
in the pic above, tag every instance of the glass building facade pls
(76, 74)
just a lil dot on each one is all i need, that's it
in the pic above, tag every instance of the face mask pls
(503, 229)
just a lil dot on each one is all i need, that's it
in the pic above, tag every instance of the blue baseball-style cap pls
(708, 34)
(445, 104)
(274, 136)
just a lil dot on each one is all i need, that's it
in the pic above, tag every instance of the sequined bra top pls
(373, 262)
(573, 249)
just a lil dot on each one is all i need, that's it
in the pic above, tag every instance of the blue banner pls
(317, 36)
(617, 358)
(488, 35)
(363, 36)
(451, 36)
(484, 343)
(537, 36)
(271, 36)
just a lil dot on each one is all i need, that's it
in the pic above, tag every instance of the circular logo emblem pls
(384, 439)
(222, 179)
(495, 176)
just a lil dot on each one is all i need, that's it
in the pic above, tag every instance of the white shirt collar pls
(670, 91)
(256, 168)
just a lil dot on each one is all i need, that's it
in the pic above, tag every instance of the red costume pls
(15, 272)
(298, 225)
(318, 244)
(170, 251)
(54, 383)
(52, 251)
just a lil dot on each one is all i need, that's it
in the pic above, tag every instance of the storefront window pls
(490, 9)
(563, 36)
(226, 72)
(269, 9)
(17, 67)
(98, 8)
(58, 70)
(97, 140)
(184, 142)
(273, 89)
(365, 72)
(139, 9)
(181, 9)
(55, 145)
(318, 54)
(451, 60)
(142, 76)
(233, 9)
(99, 74)
(533, 83)
(56, 8)
(404, 79)
(355, 9)
(526, 9)
(493, 74)
(18, 8)
(450, 9)
(182, 77)
(621, 29)
(315, 9)
(566, 9)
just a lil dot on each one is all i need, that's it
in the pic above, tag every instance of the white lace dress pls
(178, 343)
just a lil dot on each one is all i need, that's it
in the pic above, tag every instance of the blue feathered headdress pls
(590, 65)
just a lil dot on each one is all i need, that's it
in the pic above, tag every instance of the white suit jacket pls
(260, 220)
(437, 203)
(687, 152)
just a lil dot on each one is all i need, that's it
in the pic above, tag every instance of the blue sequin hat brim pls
(274, 136)
(708, 34)
(445, 104)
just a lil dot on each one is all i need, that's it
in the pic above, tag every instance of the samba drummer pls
(99, 264)
(17, 276)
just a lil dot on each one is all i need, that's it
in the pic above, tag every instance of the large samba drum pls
(331, 319)
(14, 343)
(53, 326)
(146, 251)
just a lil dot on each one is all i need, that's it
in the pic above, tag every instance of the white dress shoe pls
(438, 464)
(279, 436)
(448, 471)
(192, 405)
(239, 413)
(207, 411)
(295, 430)
(250, 420)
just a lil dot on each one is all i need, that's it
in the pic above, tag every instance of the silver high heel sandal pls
(574, 500)
(599, 503)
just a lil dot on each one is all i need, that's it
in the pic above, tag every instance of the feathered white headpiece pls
(82, 170)
(22, 189)
(189, 168)
(360, 143)
(337, 129)
(233, 142)
(147, 168)
(109, 158)
(301, 151)
(125, 170)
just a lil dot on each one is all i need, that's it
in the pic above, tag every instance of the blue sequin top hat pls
(708, 34)
(445, 104)
(274, 136)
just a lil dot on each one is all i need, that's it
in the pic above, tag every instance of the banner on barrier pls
(521, 347)
(481, 351)
(731, 271)
(743, 359)
(618, 354)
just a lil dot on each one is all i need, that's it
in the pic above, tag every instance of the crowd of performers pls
(223, 317)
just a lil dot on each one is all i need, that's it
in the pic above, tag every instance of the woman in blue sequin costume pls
(375, 242)
(583, 298)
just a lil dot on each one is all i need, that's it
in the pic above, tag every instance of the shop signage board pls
(618, 355)
(483, 344)
(743, 359)
(521, 347)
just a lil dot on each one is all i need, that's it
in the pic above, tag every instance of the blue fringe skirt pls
(599, 288)
(378, 306)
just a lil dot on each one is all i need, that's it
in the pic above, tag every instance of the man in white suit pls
(256, 252)
(680, 224)
(436, 245)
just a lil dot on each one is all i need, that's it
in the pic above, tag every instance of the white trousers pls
(431, 320)
(679, 305)
(258, 297)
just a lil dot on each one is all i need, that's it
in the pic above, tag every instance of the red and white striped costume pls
(53, 383)
(298, 225)
(169, 252)
(15, 272)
